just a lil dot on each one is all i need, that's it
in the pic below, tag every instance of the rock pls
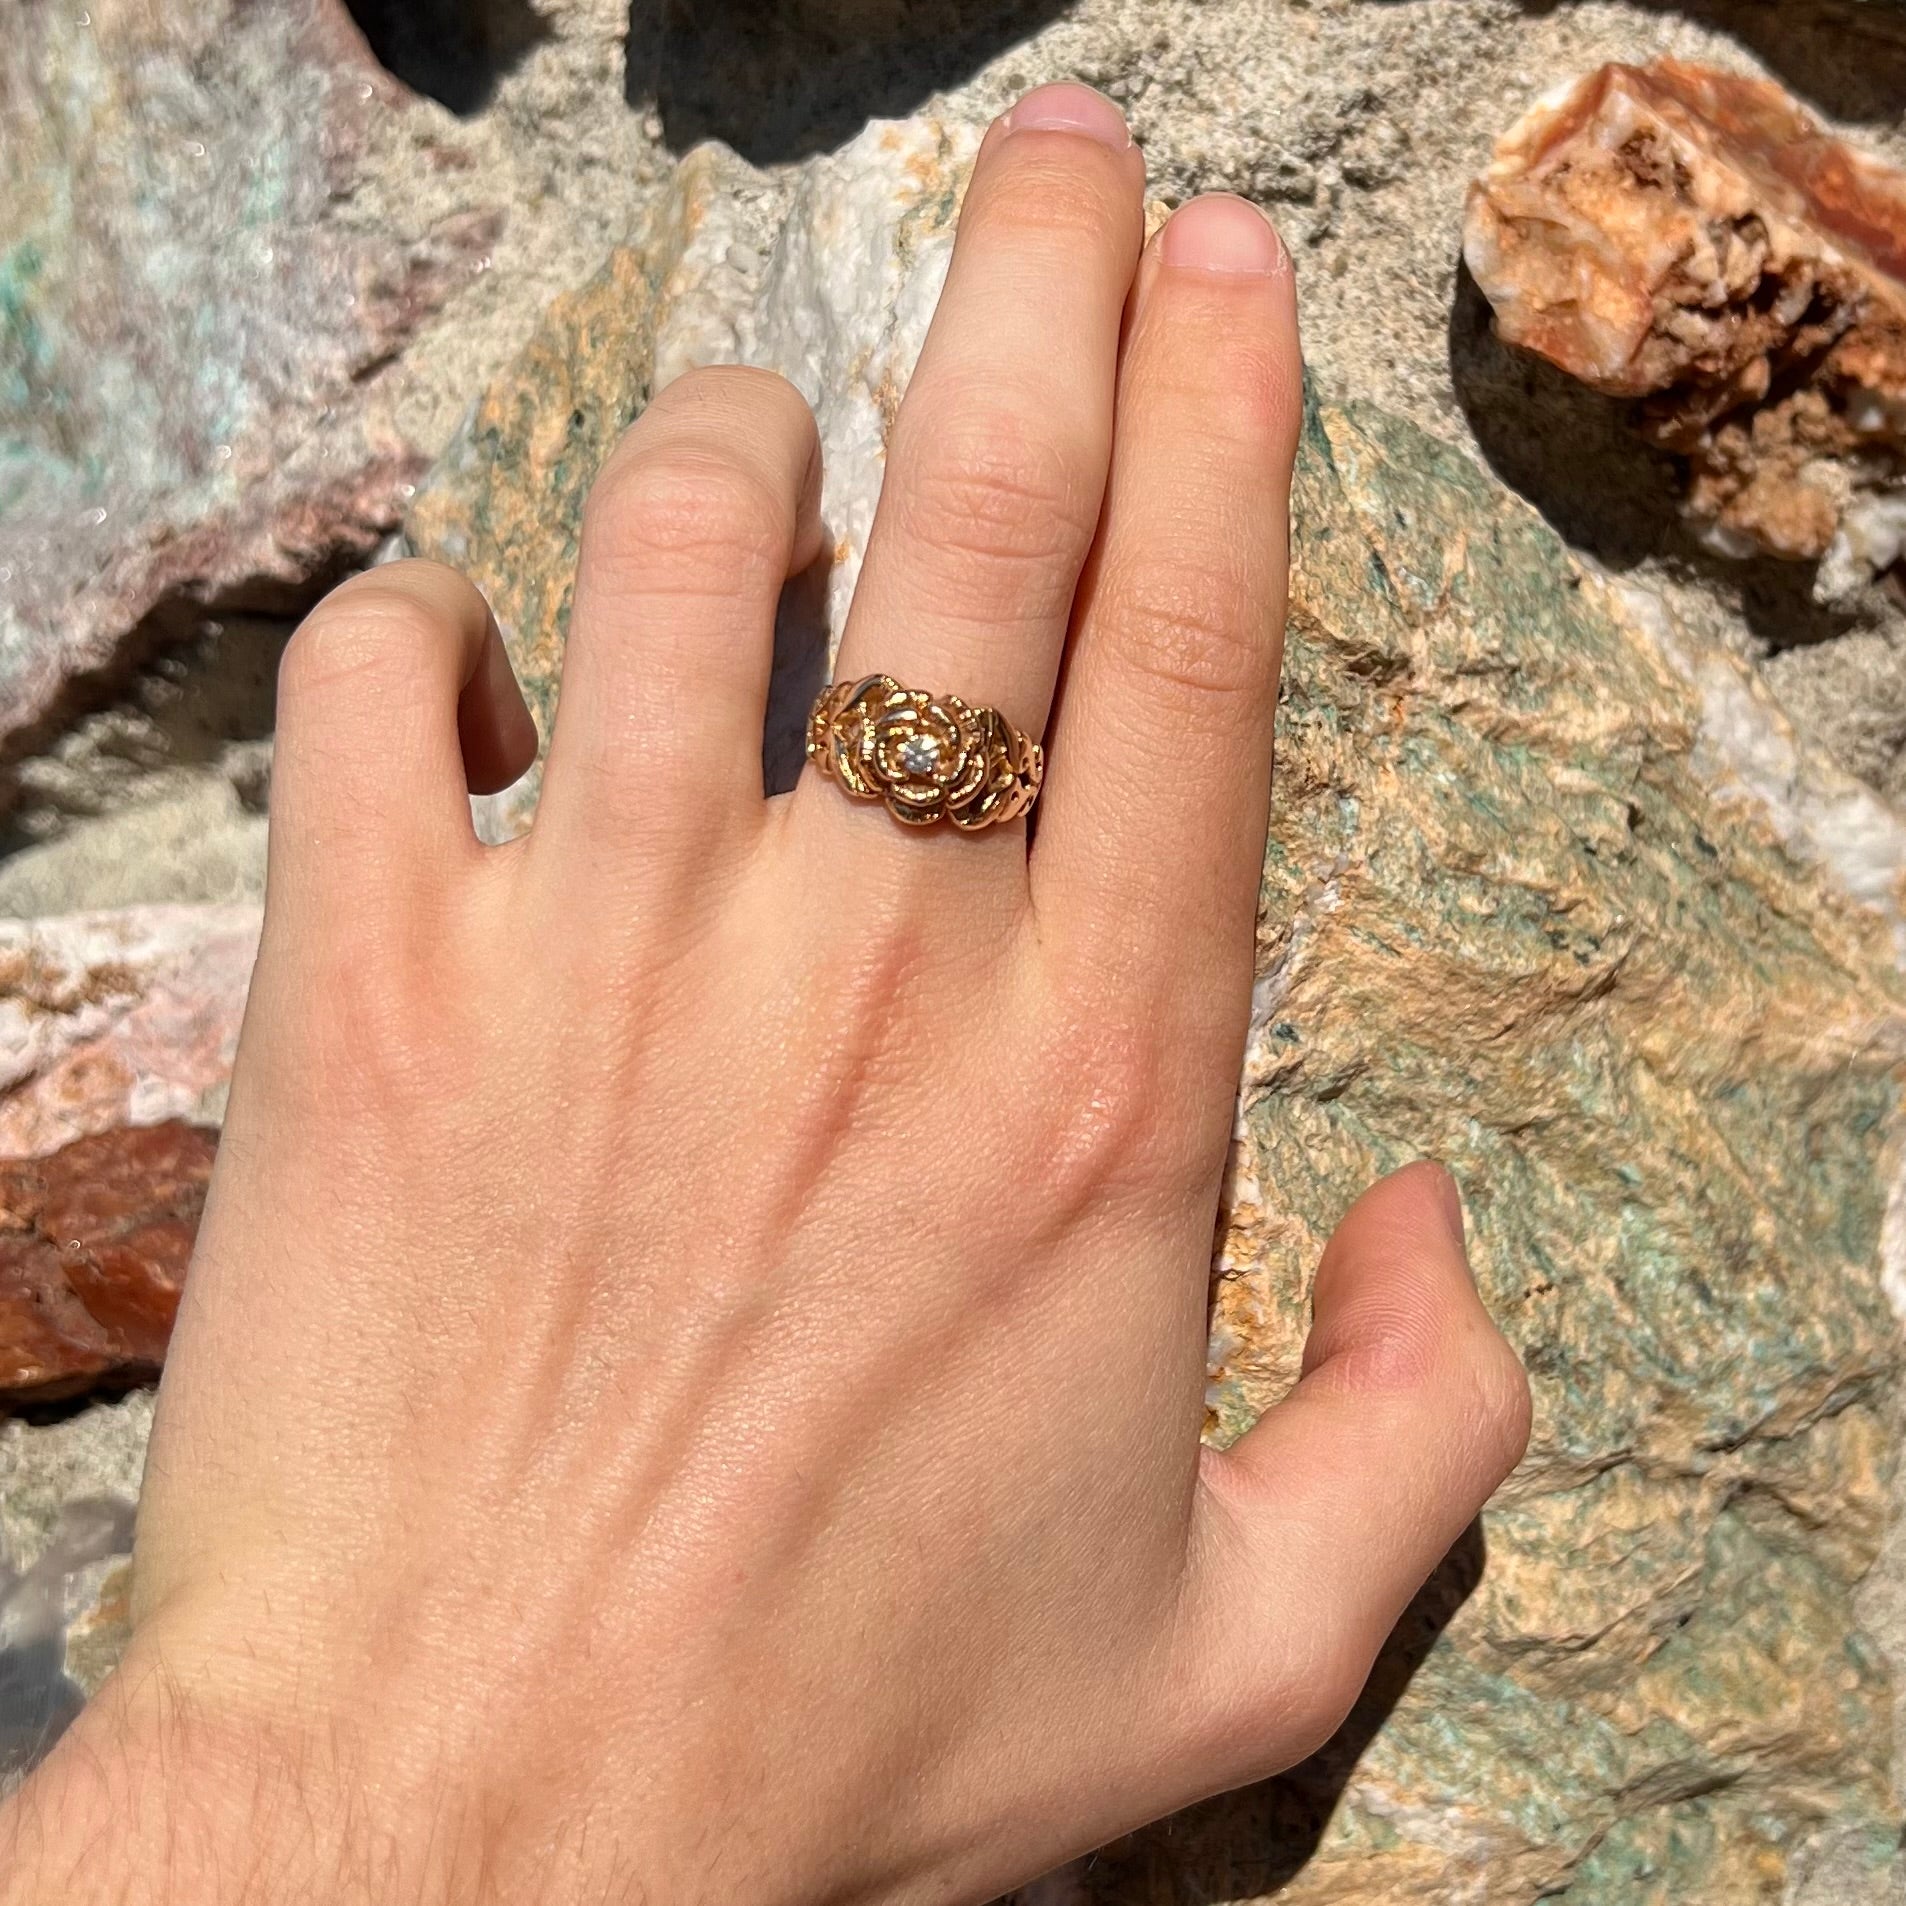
(189, 375)
(159, 797)
(205, 844)
(113, 1019)
(1553, 893)
(50, 1469)
(248, 283)
(67, 1490)
(94, 1245)
(106, 1021)
(83, 1561)
(1695, 239)
(1360, 125)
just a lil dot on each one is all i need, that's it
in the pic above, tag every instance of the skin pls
(690, 1388)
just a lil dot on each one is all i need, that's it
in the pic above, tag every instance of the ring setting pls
(930, 758)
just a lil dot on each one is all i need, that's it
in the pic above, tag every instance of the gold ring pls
(929, 757)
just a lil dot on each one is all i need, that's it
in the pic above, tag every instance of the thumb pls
(1314, 1530)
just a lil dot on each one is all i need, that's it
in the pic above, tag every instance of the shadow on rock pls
(452, 51)
(1248, 1844)
(1571, 453)
(782, 79)
(1567, 449)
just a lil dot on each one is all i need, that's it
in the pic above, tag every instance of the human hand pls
(691, 1382)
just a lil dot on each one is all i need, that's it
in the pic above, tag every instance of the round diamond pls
(920, 754)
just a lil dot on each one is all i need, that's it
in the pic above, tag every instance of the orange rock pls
(1694, 239)
(94, 1244)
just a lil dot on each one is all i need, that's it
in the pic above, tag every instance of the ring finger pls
(996, 467)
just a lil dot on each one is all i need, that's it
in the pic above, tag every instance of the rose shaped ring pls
(929, 757)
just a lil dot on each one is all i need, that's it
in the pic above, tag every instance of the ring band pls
(929, 757)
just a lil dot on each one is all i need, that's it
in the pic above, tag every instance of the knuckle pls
(1501, 1406)
(762, 404)
(1069, 198)
(746, 389)
(1394, 1350)
(733, 384)
(393, 1052)
(1259, 392)
(1233, 377)
(1194, 630)
(1120, 1128)
(1464, 1371)
(369, 632)
(690, 511)
(994, 488)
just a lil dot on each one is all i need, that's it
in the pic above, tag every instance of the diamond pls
(920, 754)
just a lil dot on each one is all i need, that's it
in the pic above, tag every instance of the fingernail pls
(1220, 233)
(1069, 107)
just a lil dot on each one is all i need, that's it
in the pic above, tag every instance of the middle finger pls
(997, 464)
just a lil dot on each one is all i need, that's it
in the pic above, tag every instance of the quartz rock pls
(1552, 892)
(1693, 239)
(110, 1019)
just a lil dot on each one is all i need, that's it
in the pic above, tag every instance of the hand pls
(691, 1385)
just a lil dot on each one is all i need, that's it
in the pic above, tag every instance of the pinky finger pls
(396, 701)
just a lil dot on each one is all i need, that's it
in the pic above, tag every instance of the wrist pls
(153, 1798)
(157, 1798)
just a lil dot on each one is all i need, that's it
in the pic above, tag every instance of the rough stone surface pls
(182, 305)
(45, 1467)
(1695, 239)
(1552, 892)
(106, 1021)
(159, 797)
(94, 1245)
(231, 248)
(118, 1019)
(67, 1490)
